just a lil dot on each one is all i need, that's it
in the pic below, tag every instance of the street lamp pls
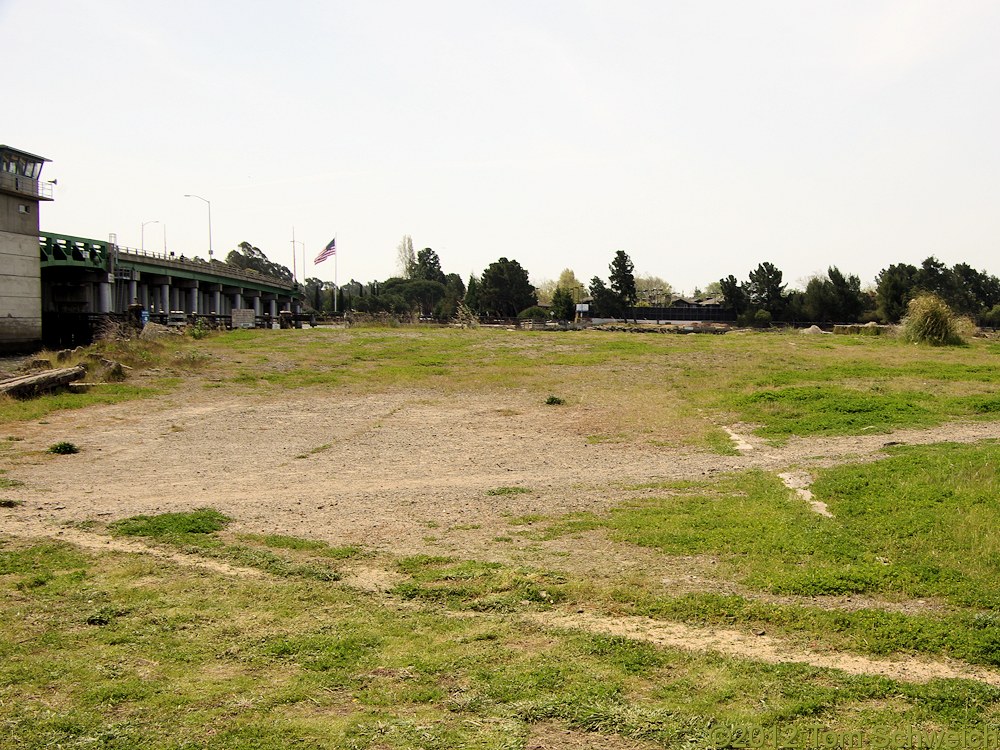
(142, 234)
(187, 195)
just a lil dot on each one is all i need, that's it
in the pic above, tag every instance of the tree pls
(735, 294)
(604, 303)
(405, 259)
(837, 298)
(765, 290)
(654, 290)
(314, 294)
(454, 292)
(421, 295)
(713, 289)
(544, 291)
(894, 287)
(563, 306)
(427, 266)
(623, 280)
(252, 258)
(504, 289)
(569, 282)
(472, 294)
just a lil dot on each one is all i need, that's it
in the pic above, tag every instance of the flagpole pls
(336, 286)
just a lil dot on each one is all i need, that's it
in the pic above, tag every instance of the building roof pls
(23, 153)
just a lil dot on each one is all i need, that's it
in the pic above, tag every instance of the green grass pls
(664, 391)
(831, 409)
(185, 528)
(30, 410)
(119, 651)
(501, 491)
(917, 524)
(122, 651)
(7, 483)
(478, 586)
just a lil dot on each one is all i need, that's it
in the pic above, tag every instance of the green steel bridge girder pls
(93, 255)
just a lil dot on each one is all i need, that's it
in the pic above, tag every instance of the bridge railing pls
(62, 249)
(205, 266)
(16, 183)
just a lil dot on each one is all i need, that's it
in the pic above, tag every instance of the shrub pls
(754, 319)
(929, 320)
(534, 313)
(63, 448)
(199, 330)
(991, 318)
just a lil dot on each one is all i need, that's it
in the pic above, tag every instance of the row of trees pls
(837, 297)
(503, 290)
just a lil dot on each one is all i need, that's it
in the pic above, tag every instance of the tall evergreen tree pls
(623, 280)
(765, 290)
(504, 289)
(894, 287)
(563, 307)
(735, 294)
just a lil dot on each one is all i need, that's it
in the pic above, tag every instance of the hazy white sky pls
(700, 137)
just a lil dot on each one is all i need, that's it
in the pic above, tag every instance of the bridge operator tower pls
(21, 192)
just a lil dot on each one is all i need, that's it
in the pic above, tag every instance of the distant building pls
(21, 192)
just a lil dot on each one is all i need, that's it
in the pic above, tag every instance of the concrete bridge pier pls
(215, 295)
(104, 296)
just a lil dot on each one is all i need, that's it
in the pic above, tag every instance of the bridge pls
(85, 280)
(56, 289)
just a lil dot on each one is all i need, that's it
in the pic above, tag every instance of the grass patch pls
(501, 491)
(721, 443)
(197, 532)
(137, 652)
(314, 451)
(6, 483)
(280, 541)
(834, 410)
(478, 586)
(917, 524)
(185, 528)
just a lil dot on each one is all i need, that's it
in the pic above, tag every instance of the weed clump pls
(554, 401)
(63, 448)
(500, 491)
(929, 320)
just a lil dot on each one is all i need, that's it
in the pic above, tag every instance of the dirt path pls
(766, 648)
(403, 473)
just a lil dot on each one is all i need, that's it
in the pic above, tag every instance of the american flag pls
(330, 249)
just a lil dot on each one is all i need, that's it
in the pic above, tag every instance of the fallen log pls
(29, 385)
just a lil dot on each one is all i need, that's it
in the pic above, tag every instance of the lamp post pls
(188, 195)
(142, 234)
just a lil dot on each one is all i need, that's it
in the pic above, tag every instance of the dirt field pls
(409, 473)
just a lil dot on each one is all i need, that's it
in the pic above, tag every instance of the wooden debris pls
(29, 385)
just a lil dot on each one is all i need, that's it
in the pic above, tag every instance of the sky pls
(701, 137)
